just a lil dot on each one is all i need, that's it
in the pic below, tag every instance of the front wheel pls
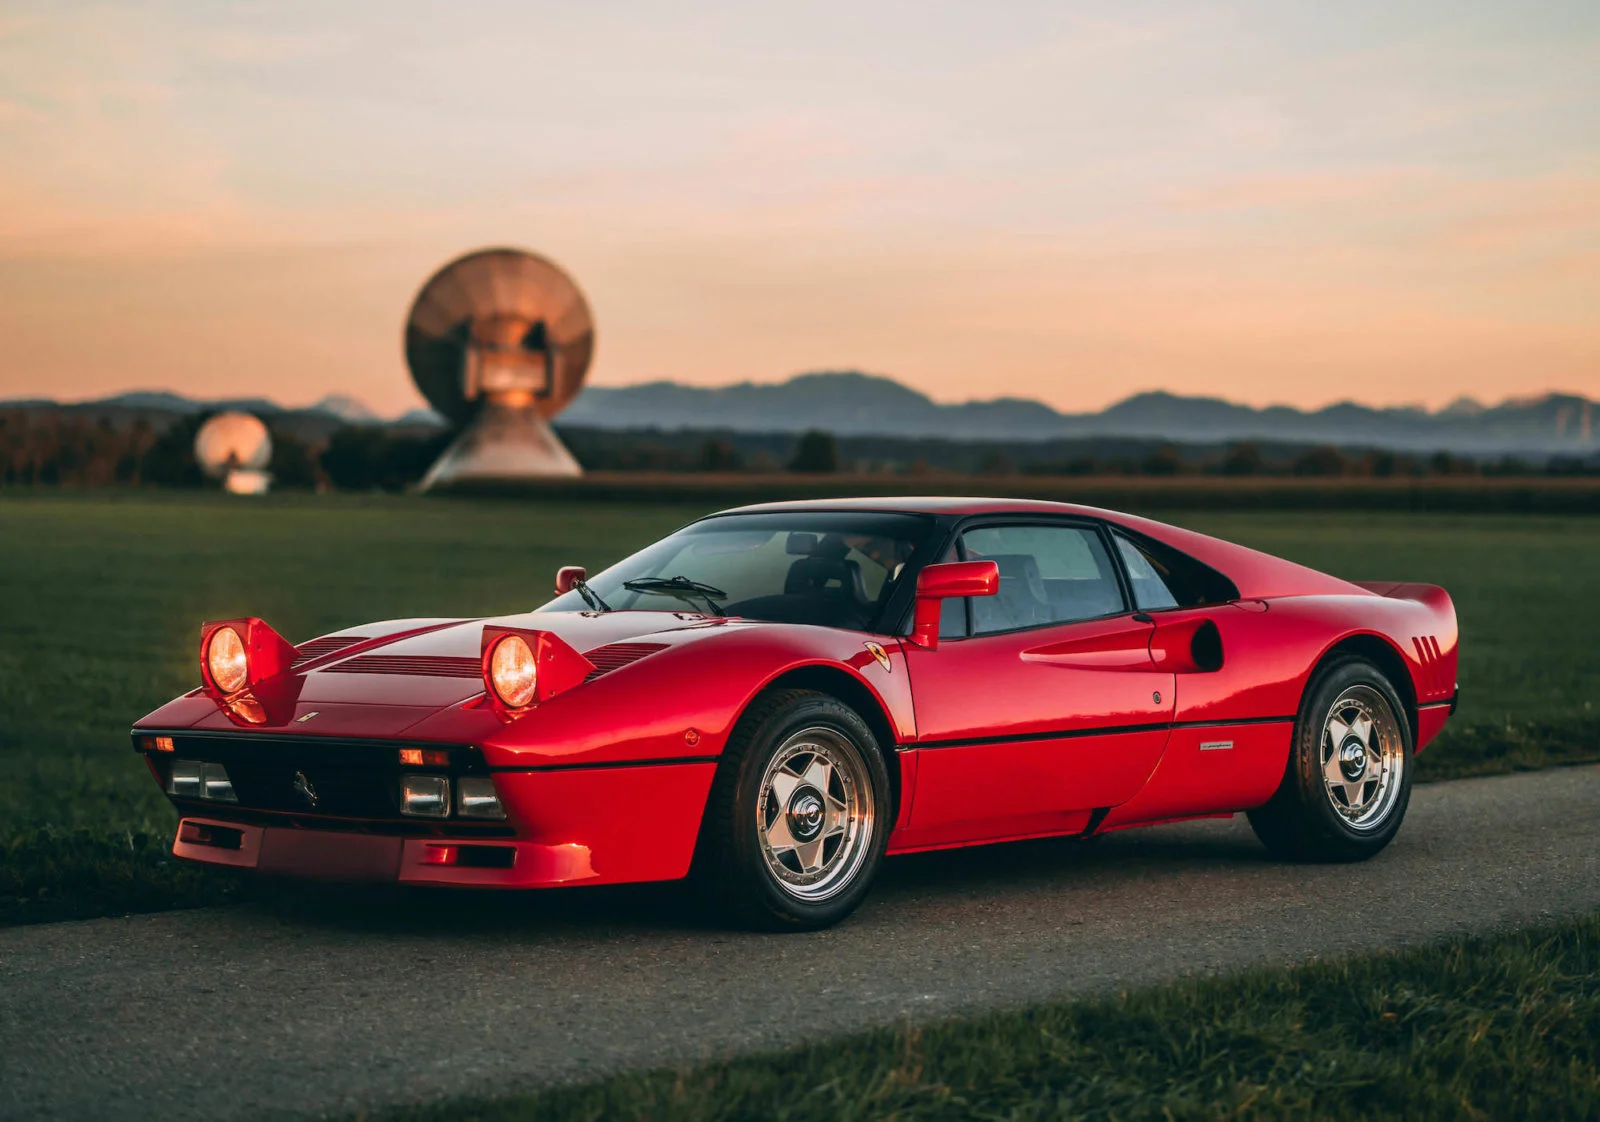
(1348, 780)
(798, 817)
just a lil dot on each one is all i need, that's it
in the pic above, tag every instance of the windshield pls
(832, 568)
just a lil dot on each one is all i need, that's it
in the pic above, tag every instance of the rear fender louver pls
(1432, 660)
(421, 666)
(320, 648)
(618, 655)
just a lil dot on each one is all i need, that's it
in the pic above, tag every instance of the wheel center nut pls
(1353, 759)
(805, 814)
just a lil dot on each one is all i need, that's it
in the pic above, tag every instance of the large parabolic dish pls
(499, 342)
(235, 448)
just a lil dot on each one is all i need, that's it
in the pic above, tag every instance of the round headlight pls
(511, 669)
(226, 660)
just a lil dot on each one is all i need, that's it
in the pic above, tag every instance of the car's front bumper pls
(606, 825)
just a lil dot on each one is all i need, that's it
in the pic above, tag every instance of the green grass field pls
(104, 593)
(1501, 1027)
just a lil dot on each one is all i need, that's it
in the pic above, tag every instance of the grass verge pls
(105, 592)
(1498, 1027)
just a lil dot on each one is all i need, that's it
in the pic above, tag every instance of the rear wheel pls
(1348, 780)
(798, 816)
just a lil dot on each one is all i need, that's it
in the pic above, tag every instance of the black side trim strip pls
(1102, 730)
(608, 764)
(1230, 724)
(1056, 734)
(1095, 819)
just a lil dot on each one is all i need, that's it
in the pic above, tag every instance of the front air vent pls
(318, 648)
(618, 655)
(420, 666)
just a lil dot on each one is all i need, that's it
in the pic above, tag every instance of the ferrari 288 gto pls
(772, 699)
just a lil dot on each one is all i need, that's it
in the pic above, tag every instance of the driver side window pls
(1048, 574)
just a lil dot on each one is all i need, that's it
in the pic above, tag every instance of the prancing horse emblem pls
(878, 653)
(303, 787)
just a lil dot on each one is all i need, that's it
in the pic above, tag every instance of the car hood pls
(420, 678)
(438, 662)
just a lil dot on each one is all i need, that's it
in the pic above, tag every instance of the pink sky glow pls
(1274, 203)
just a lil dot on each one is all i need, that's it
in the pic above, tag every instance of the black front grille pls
(318, 782)
(319, 788)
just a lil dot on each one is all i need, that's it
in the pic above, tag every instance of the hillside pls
(854, 404)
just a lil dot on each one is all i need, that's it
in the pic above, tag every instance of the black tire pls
(732, 869)
(1310, 818)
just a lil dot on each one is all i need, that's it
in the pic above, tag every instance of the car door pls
(1043, 705)
(1239, 667)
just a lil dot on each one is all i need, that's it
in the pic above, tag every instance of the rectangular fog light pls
(184, 780)
(425, 796)
(215, 784)
(476, 798)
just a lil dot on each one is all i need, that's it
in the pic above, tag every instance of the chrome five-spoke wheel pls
(1347, 781)
(1363, 757)
(815, 813)
(798, 815)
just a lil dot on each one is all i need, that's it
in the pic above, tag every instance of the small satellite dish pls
(499, 342)
(235, 448)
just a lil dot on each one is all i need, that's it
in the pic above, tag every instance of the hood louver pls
(319, 648)
(618, 655)
(422, 666)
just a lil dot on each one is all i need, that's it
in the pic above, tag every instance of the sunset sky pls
(1299, 203)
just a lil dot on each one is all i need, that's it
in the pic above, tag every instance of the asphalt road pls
(357, 999)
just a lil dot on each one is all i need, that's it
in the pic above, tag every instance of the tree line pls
(60, 446)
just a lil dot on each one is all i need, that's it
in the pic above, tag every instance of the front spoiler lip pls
(232, 815)
(376, 859)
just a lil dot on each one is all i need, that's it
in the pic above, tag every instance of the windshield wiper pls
(681, 587)
(590, 596)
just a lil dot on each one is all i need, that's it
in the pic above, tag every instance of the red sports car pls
(773, 698)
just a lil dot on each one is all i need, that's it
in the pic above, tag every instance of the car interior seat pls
(827, 573)
(1021, 601)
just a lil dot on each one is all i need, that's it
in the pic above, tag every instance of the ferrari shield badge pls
(878, 653)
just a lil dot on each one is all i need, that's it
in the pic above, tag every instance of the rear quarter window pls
(1163, 577)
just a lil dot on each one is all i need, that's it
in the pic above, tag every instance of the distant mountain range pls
(853, 404)
(859, 405)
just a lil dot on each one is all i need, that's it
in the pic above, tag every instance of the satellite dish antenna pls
(498, 342)
(235, 448)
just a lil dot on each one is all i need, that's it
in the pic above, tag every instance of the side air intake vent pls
(317, 648)
(422, 666)
(618, 655)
